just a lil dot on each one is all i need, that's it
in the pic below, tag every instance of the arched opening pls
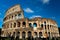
(48, 27)
(14, 34)
(23, 35)
(8, 26)
(24, 24)
(35, 36)
(45, 26)
(19, 15)
(14, 24)
(18, 35)
(40, 34)
(41, 25)
(8, 34)
(15, 16)
(34, 24)
(18, 23)
(44, 22)
(12, 17)
(49, 34)
(30, 25)
(29, 35)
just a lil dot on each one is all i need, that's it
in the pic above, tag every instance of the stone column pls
(20, 35)
(47, 28)
(9, 25)
(12, 24)
(33, 34)
(38, 34)
(26, 34)
(13, 16)
(38, 24)
(21, 24)
(43, 29)
(27, 23)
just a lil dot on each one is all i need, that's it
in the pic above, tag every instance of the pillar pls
(16, 24)
(12, 24)
(26, 35)
(20, 35)
(21, 24)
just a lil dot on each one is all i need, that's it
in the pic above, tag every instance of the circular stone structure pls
(16, 24)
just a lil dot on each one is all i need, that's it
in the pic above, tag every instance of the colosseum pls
(14, 23)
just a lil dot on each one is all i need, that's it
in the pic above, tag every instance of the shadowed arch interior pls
(23, 35)
(24, 23)
(40, 34)
(34, 24)
(14, 24)
(29, 34)
(18, 24)
(30, 25)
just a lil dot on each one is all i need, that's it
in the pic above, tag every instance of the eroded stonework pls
(16, 24)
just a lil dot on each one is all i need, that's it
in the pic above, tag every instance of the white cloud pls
(35, 16)
(28, 10)
(45, 1)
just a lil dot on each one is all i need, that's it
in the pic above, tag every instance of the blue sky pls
(33, 8)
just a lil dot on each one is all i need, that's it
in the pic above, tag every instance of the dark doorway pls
(18, 24)
(35, 36)
(24, 24)
(40, 35)
(23, 35)
(18, 35)
(29, 36)
(30, 25)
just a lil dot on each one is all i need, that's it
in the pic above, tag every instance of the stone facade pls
(16, 24)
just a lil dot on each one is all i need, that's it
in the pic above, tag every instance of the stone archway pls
(18, 34)
(24, 24)
(29, 35)
(34, 24)
(35, 36)
(30, 24)
(40, 34)
(18, 24)
(14, 34)
(23, 35)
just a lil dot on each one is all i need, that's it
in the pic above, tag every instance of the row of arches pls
(29, 34)
(18, 24)
(24, 24)
(15, 16)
